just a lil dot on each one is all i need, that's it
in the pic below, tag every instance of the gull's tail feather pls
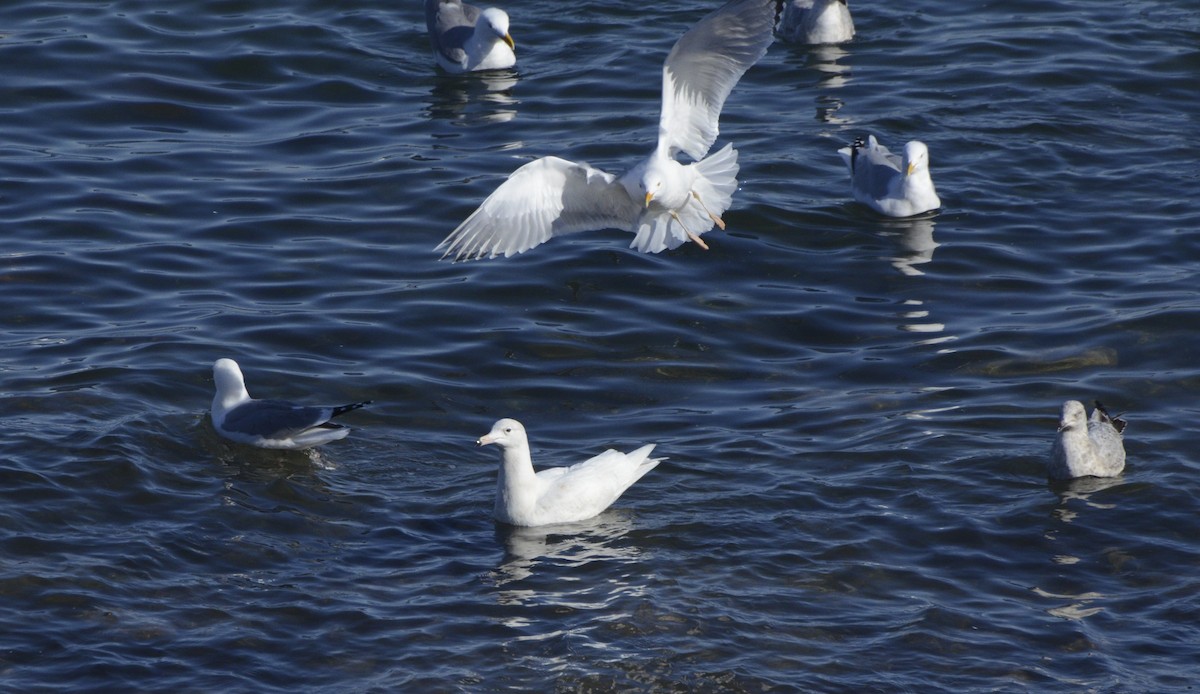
(716, 181)
(1117, 422)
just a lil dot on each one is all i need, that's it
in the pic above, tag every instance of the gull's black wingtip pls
(778, 12)
(343, 409)
(1117, 422)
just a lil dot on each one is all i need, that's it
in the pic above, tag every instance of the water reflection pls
(914, 239)
(483, 97)
(1081, 489)
(561, 585)
(1068, 491)
(824, 59)
(1079, 608)
(563, 545)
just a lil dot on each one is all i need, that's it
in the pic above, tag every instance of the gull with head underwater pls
(663, 202)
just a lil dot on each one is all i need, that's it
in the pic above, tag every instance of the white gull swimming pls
(1087, 447)
(466, 39)
(891, 185)
(270, 423)
(561, 494)
(663, 202)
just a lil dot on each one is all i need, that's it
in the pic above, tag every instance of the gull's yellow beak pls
(649, 197)
(508, 39)
(911, 168)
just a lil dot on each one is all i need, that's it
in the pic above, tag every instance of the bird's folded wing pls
(545, 198)
(703, 67)
(874, 170)
(274, 418)
(450, 25)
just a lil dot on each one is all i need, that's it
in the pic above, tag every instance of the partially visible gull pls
(663, 202)
(270, 423)
(560, 494)
(893, 186)
(817, 22)
(466, 39)
(1087, 446)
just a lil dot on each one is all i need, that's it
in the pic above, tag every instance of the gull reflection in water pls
(565, 544)
(831, 75)
(914, 237)
(562, 588)
(480, 97)
(1079, 490)
(821, 61)
(824, 59)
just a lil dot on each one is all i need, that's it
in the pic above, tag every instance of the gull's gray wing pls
(1106, 434)
(872, 168)
(545, 198)
(450, 24)
(703, 67)
(276, 419)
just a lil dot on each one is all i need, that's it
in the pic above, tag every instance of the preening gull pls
(561, 494)
(1087, 446)
(270, 423)
(665, 203)
(466, 39)
(817, 22)
(893, 186)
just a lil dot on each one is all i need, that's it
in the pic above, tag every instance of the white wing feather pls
(545, 198)
(703, 67)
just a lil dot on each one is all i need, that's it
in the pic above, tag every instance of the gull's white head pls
(916, 157)
(231, 386)
(1074, 416)
(651, 184)
(506, 433)
(497, 20)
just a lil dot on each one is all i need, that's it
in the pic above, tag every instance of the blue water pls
(856, 411)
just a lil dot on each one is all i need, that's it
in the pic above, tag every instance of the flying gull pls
(663, 202)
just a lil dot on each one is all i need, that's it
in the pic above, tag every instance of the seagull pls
(663, 202)
(817, 22)
(890, 185)
(1087, 446)
(270, 423)
(562, 494)
(465, 39)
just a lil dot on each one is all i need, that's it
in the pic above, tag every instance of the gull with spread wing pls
(663, 202)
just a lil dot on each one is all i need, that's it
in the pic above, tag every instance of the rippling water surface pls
(856, 411)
